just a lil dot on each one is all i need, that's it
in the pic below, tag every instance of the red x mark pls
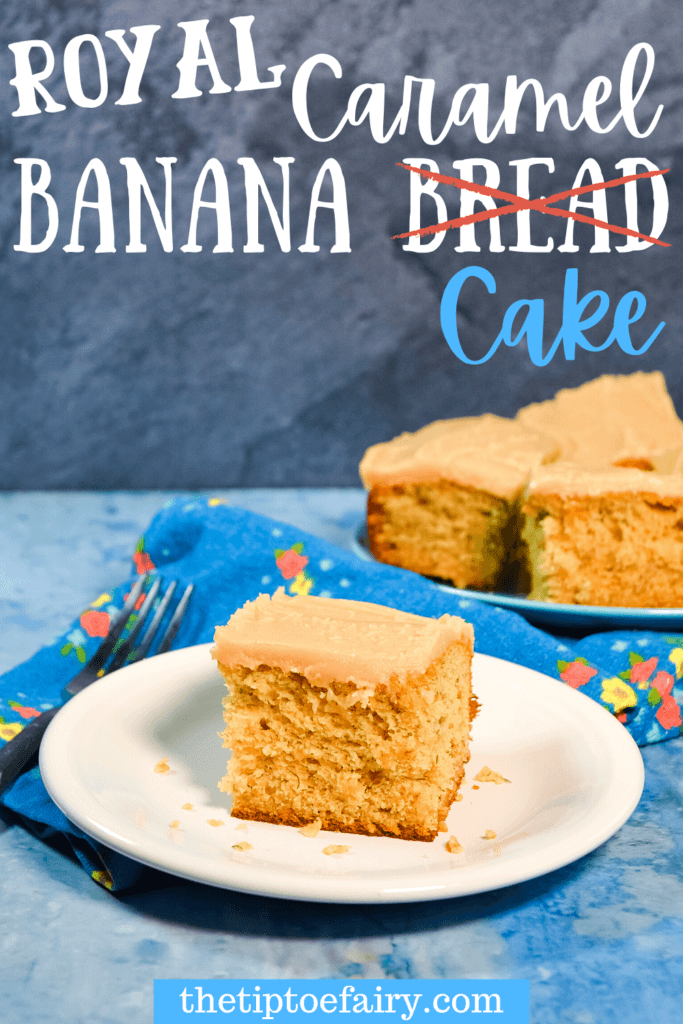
(516, 203)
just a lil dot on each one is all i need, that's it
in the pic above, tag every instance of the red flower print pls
(668, 713)
(23, 711)
(642, 670)
(143, 563)
(290, 563)
(95, 623)
(664, 683)
(577, 674)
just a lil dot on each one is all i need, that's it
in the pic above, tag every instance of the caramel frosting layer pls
(487, 453)
(568, 480)
(669, 462)
(609, 420)
(329, 639)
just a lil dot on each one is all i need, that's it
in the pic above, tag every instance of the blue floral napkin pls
(232, 556)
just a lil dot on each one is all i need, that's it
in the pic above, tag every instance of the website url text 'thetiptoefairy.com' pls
(320, 1000)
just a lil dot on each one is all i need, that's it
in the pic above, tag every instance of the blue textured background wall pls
(191, 370)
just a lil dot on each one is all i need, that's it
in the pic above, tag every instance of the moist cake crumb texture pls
(444, 501)
(347, 714)
(606, 537)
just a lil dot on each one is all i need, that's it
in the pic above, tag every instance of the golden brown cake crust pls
(330, 823)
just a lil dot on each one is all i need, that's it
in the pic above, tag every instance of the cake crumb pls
(242, 846)
(458, 797)
(311, 830)
(242, 827)
(475, 787)
(161, 767)
(329, 851)
(188, 807)
(488, 775)
(215, 822)
(453, 846)
(489, 834)
(174, 824)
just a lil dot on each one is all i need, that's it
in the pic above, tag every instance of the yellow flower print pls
(301, 584)
(677, 657)
(102, 599)
(216, 501)
(104, 878)
(8, 730)
(615, 691)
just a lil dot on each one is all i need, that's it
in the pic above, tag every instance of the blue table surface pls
(599, 941)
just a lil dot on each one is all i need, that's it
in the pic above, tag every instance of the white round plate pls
(575, 777)
(549, 613)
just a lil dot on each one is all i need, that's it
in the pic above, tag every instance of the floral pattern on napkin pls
(228, 554)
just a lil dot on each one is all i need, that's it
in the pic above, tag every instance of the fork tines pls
(126, 652)
(16, 756)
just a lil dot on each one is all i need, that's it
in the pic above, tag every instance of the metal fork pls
(18, 755)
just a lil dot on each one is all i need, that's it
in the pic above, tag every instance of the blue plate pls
(593, 618)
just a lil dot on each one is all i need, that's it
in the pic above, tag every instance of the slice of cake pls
(445, 500)
(346, 713)
(612, 420)
(605, 537)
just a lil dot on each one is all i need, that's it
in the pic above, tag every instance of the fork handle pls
(16, 755)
